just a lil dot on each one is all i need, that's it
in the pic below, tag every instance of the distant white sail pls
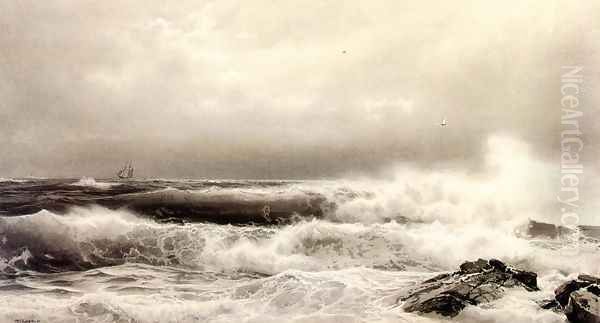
(126, 171)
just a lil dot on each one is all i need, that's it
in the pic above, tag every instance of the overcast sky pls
(283, 89)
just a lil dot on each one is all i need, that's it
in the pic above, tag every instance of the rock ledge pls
(476, 282)
(579, 299)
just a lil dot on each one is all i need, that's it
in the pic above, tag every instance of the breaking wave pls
(271, 251)
(89, 238)
(312, 270)
(91, 182)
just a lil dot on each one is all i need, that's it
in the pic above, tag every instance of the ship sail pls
(126, 171)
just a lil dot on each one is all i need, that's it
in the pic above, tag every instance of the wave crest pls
(91, 182)
(88, 238)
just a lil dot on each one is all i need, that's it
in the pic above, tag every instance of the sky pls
(285, 89)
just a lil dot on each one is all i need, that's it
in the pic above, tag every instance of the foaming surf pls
(345, 252)
(91, 182)
(109, 265)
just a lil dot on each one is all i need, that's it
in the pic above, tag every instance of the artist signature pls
(27, 321)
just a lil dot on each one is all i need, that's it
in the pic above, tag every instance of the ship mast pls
(126, 171)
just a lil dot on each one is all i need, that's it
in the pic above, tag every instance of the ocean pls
(159, 250)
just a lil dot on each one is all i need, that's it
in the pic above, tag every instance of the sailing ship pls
(126, 172)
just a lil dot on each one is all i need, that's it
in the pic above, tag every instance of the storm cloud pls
(263, 89)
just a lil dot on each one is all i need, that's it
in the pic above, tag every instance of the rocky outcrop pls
(476, 282)
(579, 299)
(536, 229)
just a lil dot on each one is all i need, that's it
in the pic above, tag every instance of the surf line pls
(571, 147)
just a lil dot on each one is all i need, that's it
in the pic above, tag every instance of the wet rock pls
(589, 278)
(471, 267)
(579, 299)
(476, 282)
(583, 306)
(498, 265)
(548, 230)
(526, 278)
(550, 304)
(563, 292)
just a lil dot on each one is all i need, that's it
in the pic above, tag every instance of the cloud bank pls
(234, 89)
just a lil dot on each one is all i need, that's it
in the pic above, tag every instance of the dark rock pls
(594, 289)
(498, 264)
(443, 303)
(579, 299)
(541, 229)
(563, 292)
(471, 267)
(589, 278)
(526, 278)
(550, 304)
(583, 307)
(476, 282)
